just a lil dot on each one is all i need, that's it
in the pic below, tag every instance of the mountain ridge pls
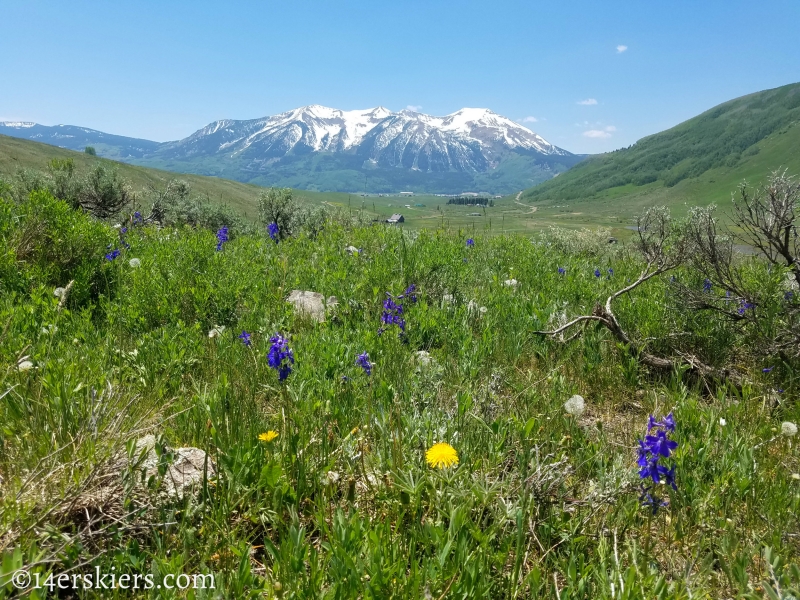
(404, 150)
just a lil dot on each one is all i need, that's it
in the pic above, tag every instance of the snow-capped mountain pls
(471, 139)
(316, 147)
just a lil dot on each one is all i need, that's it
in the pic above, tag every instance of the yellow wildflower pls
(269, 436)
(441, 456)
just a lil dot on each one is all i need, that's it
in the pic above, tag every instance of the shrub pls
(48, 244)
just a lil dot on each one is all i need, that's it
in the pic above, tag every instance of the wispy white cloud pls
(603, 133)
(529, 120)
(414, 107)
(621, 48)
(588, 102)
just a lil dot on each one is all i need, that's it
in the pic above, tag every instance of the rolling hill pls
(696, 162)
(18, 154)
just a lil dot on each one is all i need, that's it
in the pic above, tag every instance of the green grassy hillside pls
(697, 162)
(23, 154)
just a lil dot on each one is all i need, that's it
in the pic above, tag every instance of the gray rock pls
(185, 472)
(311, 304)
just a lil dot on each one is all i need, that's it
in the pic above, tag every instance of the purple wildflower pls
(362, 360)
(245, 337)
(112, 255)
(610, 272)
(280, 357)
(272, 228)
(597, 273)
(652, 451)
(410, 294)
(767, 369)
(222, 237)
(707, 285)
(470, 242)
(561, 271)
(744, 306)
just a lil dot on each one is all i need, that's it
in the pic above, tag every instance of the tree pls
(279, 206)
(90, 151)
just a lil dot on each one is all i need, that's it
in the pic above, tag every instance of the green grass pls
(23, 154)
(342, 504)
(695, 163)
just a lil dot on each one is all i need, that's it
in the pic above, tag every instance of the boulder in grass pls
(185, 471)
(311, 304)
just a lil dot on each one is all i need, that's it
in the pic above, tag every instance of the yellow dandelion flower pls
(269, 436)
(441, 456)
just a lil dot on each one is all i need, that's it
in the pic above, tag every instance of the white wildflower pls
(788, 429)
(510, 283)
(216, 331)
(58, 292)
(25, 365)
(722, 422)
(330, 478)
(575, 405)
(795, 475)
(483, 310)
(135, 263)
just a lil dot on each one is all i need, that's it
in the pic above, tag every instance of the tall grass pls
(342, 504)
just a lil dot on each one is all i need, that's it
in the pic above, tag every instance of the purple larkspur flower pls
(470, 242)
(652, 451)
(112, 255)
(362, 360)
(280, 356)
(561, 271)
(245, 337)
(597, 273)
(222, 237)
(272, 228)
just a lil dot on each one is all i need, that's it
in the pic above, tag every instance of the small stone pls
(352, 250)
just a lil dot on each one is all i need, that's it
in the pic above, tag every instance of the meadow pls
(422, 441)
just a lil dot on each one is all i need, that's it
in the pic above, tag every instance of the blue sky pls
(595, 75)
